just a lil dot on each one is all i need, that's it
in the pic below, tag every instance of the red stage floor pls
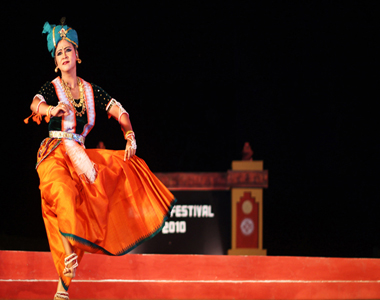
(31, 275)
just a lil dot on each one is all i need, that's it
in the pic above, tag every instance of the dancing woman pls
(95, 200)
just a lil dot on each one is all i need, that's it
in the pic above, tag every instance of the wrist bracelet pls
(128, 134)
(48, 113)
(47, 117)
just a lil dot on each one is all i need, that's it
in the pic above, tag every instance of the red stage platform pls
(31, 275)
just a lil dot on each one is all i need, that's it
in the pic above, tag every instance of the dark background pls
(299, 80)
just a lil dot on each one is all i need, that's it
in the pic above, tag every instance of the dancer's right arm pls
(56, 111)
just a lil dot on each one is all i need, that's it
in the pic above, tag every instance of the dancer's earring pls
(79, 61)
(56, 69)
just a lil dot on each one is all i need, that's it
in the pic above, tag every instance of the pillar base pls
(247, 251)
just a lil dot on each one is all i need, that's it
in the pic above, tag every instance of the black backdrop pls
(298, 80)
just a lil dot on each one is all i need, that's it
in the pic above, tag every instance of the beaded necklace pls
(81, 104)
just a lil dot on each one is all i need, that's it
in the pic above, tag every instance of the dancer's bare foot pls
(61, 295)
(61, 292)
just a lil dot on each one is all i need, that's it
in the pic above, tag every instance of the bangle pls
(128, 134)
(49, 110)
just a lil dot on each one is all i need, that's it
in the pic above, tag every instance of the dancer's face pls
(65, 56)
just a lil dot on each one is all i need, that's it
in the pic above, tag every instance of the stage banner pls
(200, 223)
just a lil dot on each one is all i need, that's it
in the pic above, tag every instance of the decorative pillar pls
(247, 209)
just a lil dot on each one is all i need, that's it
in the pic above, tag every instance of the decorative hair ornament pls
(56, 33)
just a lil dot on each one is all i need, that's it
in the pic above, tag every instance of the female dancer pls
(94, 200)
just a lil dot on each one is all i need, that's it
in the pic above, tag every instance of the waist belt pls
(67, 135)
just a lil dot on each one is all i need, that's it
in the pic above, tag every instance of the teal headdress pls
(55, 33)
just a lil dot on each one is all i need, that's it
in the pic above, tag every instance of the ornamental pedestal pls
(247, 211)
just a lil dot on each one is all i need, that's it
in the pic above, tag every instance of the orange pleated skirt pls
(125, 206)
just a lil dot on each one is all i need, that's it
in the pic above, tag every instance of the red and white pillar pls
(247, 214)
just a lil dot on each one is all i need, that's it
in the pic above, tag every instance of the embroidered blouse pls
(47, 91)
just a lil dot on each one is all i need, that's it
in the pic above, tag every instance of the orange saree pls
(120, 205)
(125, 205)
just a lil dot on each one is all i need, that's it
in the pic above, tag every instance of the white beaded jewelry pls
(122, 111)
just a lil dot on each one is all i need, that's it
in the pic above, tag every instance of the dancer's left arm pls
(126, 126)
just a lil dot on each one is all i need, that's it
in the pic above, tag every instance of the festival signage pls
(215, 213)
